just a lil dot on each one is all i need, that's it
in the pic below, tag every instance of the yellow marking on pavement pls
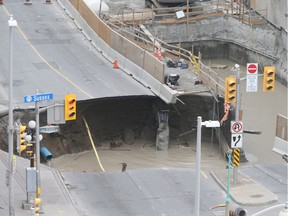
(45, 61)
(92, 143)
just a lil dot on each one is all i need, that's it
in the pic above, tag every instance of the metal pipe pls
(198, 168)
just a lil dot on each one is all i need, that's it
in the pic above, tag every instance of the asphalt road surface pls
(51, 55)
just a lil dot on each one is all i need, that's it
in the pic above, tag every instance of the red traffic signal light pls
(70, 107)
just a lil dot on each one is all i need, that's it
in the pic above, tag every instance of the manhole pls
(257, 195)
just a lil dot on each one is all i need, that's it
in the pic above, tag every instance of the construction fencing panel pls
(128, 49)
(98, 26)
(75, 3)
(154, 66)
(119, 43)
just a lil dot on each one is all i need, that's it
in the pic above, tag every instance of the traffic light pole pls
(38, 111)
(237, 111)
(12, 23)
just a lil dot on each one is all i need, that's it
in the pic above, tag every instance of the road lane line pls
(45, 61)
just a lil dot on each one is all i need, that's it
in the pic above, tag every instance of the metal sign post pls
(237, 111)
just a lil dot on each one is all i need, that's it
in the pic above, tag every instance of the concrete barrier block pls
(133, 70)
(167, 94)
(150, 82)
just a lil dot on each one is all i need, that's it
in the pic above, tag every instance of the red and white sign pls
(252, 77)
(236, 127)
(252, 68)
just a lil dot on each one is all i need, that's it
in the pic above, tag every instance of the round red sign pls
(252, 68)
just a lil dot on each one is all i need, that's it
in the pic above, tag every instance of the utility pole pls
(12, 23)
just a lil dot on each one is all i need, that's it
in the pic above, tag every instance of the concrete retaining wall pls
(266, 41)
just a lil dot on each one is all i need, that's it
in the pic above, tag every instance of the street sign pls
(236, 127)
(49, 129)
(38, 97)
(252, 77)
(236, 140)
(252, 68)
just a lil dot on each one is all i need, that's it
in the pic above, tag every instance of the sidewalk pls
(55, 198)
(245, 192)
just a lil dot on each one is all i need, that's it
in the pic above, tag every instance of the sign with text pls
(38, 97)
(252, 77)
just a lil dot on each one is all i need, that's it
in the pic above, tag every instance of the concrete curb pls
(248, 193)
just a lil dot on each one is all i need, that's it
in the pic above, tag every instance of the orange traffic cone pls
(115, 64)
(155, 53)
(160, 58)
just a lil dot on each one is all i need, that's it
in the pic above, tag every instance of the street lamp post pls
(12, 23)
(198, 159)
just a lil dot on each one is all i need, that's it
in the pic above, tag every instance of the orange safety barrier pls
(115, 64)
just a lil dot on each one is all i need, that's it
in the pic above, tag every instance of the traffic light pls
(70, 107)
(269, 79)
(230, 90)
(29, 149)
(21, 138)
(37, 206)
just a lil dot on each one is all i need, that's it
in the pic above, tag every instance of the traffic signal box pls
(269, 79)
(70, 107)
(22, 134)
(230, 90)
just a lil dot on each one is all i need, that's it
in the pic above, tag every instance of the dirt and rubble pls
(117, 122)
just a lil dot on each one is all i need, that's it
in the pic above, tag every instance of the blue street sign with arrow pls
(38, 97)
